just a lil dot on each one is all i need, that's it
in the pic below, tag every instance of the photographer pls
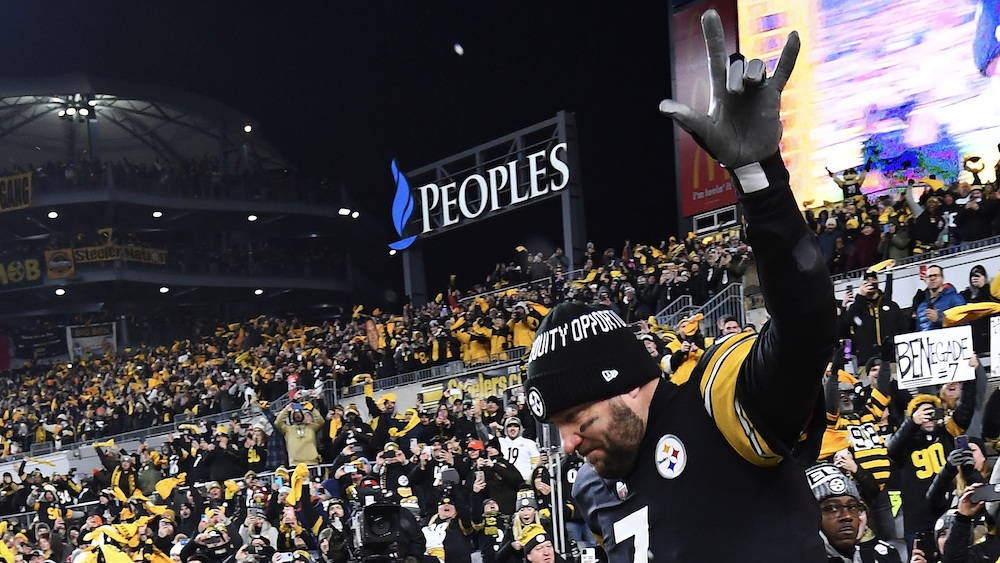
(299, 423)
(523, 323)
(255, 525)
(214, 544)
(428, 475)
(924, 438)
(224, 457)
(257, 550)
(873, 319)
(393, 468)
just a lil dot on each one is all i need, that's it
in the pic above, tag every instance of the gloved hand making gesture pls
(742, 125)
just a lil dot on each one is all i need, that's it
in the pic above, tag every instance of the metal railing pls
(453, 368)
(572, 275)
(729, 301)
(926, 256)
(675, 311)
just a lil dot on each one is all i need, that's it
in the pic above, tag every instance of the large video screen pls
(906, 85)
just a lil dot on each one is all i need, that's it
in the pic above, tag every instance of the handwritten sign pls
(995, 346)
(934, 357)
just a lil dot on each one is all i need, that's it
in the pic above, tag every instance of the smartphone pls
(923, 271)
(287, 557)
(846, 343)
(480, 475)
(885, 228)
(986, 493)
(961, 442)
(280, 481)
(924, 541)
(350, 468)
(413, 445)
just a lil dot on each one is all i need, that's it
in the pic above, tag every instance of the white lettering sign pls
(994, 346)
(540, 174)
(934, 357)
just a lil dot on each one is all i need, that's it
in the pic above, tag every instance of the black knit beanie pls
(582, 354)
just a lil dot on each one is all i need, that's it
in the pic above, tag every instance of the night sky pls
(341, 88)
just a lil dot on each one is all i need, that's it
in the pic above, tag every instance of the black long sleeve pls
(783, 376)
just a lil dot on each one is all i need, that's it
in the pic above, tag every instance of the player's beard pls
(621, 447)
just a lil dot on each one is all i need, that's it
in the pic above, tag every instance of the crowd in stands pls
(466, 476)
(196, 177)
(925, 216)
(302, 257)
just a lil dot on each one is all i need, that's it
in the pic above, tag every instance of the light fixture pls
(53, 214)
(157, 214)
(69, 365)
(258, 291)
(392, 252)
(60, 291)
(344, 211)
(80, 107)
(355, 215)
(164, 289)
(251, 217)
(247, 128)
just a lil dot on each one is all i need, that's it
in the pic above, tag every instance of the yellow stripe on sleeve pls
(718, 388)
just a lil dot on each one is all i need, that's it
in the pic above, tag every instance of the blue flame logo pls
(402, 208)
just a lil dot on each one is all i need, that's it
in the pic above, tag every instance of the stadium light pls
(355, 215)
(392, 252)
(157, 214)
(60, 291)
(258, 291)
(164, 289)
(91, 103)
(251, 217)
(62, 113)
(344, 211)
(247, 128)
(84, 112)
(53, 214)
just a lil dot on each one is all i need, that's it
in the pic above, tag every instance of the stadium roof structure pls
(244, 232)
(42, 119)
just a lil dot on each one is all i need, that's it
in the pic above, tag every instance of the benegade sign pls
(934, 357)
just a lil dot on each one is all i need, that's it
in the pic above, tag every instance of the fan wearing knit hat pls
(840, 506)
(664, 456)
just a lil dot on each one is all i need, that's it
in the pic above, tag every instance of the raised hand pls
(742, 125)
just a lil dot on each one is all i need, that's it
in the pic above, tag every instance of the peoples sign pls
(934, 357)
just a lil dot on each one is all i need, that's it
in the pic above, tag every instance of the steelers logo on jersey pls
(671, 456)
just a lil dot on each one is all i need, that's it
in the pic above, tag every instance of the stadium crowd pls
(465, 477)
(923, 216)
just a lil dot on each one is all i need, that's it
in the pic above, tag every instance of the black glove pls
(742, 125)
(960, 458)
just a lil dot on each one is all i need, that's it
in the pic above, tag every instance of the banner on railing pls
(91, 341)
(934, 357)
(39, 344)
(59, 264)
(89, 254)
(477, 385)
(20, 270)
(15, 192)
